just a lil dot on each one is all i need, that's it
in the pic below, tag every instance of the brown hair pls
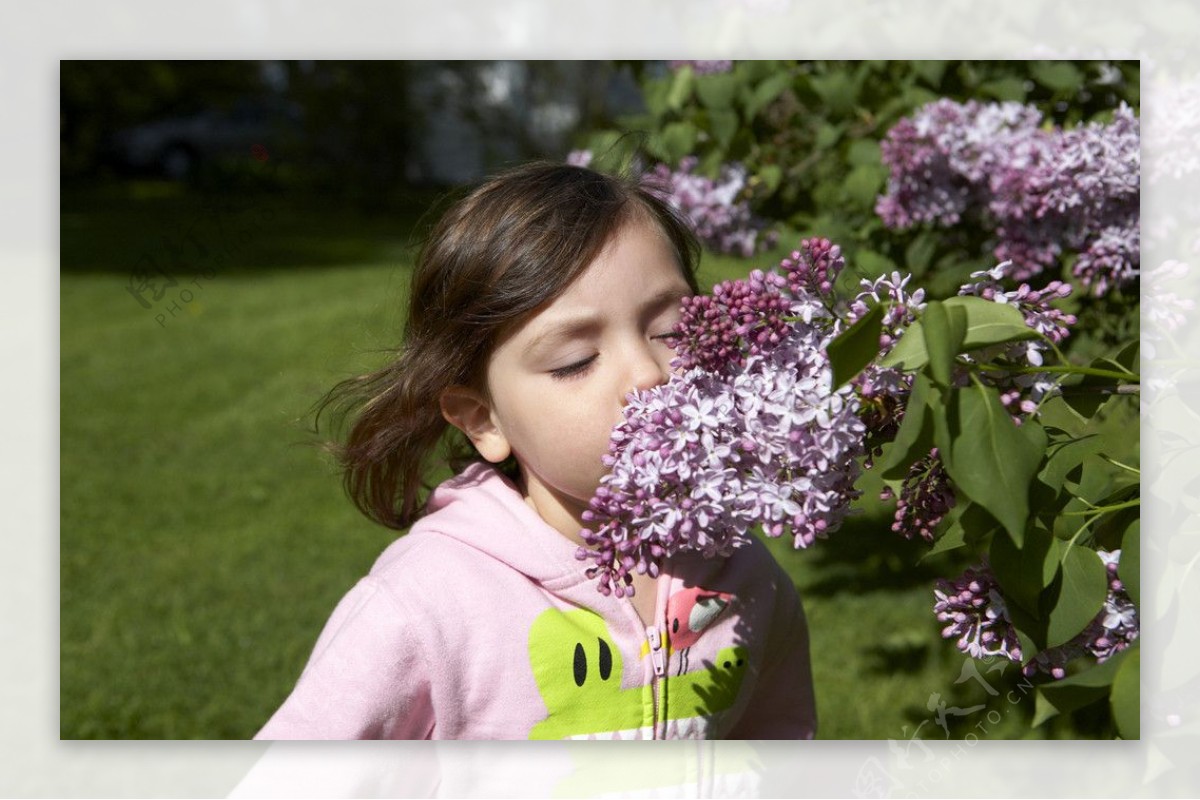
(510, 246)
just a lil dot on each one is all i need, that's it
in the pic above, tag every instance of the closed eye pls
(571, 370)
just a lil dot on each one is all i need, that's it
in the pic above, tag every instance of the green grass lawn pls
(205, 540)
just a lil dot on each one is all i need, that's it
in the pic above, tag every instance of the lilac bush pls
(1044, 192)
(751, 432)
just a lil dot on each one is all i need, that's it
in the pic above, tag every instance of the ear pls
(467, 410)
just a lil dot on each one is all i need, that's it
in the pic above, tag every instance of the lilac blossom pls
(1022, 392)
(749, 432)
(976, 612)
(720, 219)
(925, 498)
(579, 158)
(903, 306)
(1043, 191)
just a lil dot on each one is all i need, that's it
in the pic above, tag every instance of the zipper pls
(658, 659)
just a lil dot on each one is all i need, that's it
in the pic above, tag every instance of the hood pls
(483, 509)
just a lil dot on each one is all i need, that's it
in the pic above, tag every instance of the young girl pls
(540, 301)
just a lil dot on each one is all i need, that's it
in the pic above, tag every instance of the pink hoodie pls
(480, 624)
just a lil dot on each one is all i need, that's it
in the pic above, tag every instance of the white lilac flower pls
(749, 432)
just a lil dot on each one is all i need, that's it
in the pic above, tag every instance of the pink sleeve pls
(366, 677)
(783, 705)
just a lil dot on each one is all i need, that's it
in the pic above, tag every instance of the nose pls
(649, 366)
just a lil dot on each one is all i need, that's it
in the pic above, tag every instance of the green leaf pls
(967, 523)
(944, 328)
(919, 253)
(1130, 568)
(678, 139)
(1011, 88)
(914, 438)
(717, 91)
(1083, 688)
(864, 152)
(1025, 571)
(724, 124)
(766, 92)
(1059, 76)
(989, 322)
(1129, 358)
(930, 71)
(1044, 708)
(954, 537)
(909, 353)
(1082, 588)
(1086, 403)
(855, 347)
(1126, 695)
(681, 88)
(837, 89)
(752, 70)
(771, 175)
(1066, 457)
(992, 461)
(863, 185)
(655, 94)
(827, 135)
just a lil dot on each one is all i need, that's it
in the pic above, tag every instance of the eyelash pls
(579, 367)
(571, 370)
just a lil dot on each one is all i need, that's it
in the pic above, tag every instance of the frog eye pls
(580, 664)
(605, 660)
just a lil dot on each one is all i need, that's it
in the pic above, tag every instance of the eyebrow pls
(589, 322)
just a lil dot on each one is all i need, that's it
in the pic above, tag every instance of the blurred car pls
(175, 147)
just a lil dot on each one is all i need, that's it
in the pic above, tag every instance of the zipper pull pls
(656, 652)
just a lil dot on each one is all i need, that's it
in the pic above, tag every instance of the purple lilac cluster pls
(720, 219)
(976, 613)
(703, 67)
(1021, 393)
(1043, 190)
(925, 498)
(749, 432)
(741, 318)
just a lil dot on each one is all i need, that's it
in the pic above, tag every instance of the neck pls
(560, 512)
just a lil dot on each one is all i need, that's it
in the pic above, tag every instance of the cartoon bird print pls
(689, 613)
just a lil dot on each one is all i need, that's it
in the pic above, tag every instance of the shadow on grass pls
(233, 227)
(866, 556)
(905, 651)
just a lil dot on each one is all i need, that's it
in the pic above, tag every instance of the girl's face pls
(558, 383)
